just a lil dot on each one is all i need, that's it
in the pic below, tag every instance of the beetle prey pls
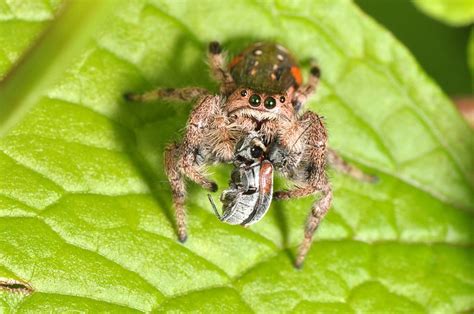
(251, 187)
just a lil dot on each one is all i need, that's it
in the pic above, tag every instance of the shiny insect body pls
(261, 89)
(249, 196)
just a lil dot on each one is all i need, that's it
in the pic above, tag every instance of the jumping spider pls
(261, 89)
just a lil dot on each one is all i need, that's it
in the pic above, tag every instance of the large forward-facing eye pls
(269, 103)
(255, 100)
(256, 152)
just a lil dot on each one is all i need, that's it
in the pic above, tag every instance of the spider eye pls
(282, 99)
(270, 103)
(256, 152)
(255, 100)
(243, 93)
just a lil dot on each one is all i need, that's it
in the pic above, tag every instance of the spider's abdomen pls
(265, 67)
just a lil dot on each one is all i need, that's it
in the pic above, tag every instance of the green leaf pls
(452, 12)
(62, 40)
(470, 56)
(85, 209)
(20, 24)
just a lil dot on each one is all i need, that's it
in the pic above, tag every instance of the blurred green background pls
(440, 49)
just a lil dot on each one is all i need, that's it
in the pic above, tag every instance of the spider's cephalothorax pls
(261, 89)
(266, 67)
(265, 78)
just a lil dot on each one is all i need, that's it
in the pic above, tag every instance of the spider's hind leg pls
(336, 161)
(305, 91)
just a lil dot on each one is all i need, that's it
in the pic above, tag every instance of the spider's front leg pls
(309, 174)
(316, 183)
(183, 160)
(186, 159)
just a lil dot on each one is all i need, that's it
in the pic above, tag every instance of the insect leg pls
(185, 94)
(318, 211)
(214, 207)
(218, 68)
(335, 160)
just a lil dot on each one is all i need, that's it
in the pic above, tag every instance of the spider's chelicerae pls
(261, 89)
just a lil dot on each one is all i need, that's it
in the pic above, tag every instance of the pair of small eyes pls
(255, 100)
